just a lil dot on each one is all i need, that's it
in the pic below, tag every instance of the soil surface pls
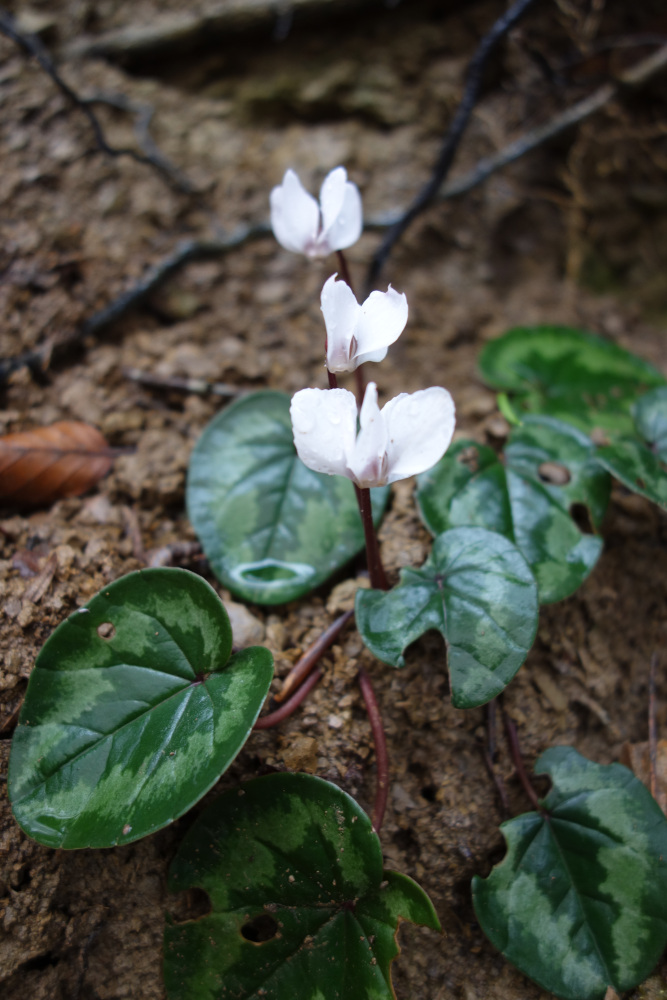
(573, 234)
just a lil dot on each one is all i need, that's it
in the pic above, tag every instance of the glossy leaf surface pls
(570, 374)
(640, 462)
(549, 470)
(579, 903)
(477, 590)
(271, 528)
(133, 710)
(299, 904)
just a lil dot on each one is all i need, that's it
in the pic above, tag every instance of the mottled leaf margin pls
(512, 495)
(272, 529)
(124, 729)
(640, 462)
(477, 590)
(579, 903)
(297, 851)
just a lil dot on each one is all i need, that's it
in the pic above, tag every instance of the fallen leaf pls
(48, 463)
(636, 757)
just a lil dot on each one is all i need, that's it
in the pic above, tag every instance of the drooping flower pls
(355, 333)
(301, 225)
(407, 436)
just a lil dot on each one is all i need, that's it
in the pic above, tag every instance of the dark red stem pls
(381, 758)
(375, 567)
(285, 710)
(652, 727)
(517, 760)
(307, 661)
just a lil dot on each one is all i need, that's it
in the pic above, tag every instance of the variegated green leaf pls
(640, 461)
(299, 904)
(272, 529)
(548, 472)
(477, 590)
(579, 903)
(133, 710)
(570, 374)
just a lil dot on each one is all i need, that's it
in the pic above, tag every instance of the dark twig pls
(286, 709)
(186, 253)
(307, 661)
(198, 386)
(33, 47)
(381, 758)
(517, 760)
(471, 92)
(653, 727)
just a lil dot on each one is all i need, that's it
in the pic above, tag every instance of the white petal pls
(382, 321)
(332, 195)
(345, 229)
(419, 430)
(295, 215)
(324, 422)
(341, 312)
(368, 465)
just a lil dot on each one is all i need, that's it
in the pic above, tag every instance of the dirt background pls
(574, 234)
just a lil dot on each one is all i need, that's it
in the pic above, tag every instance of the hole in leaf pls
(581, 516)
(270, 573)
(554, 473)
(106, 630)
(260, 929)
(470, 458)
(192, 904)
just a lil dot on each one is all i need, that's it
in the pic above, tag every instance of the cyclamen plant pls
(161, 703)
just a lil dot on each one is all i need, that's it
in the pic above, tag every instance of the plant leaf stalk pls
(381, 756)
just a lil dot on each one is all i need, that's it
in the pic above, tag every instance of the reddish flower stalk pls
(307, 661)
(382, 760)
(517, 760)
(285, 710)
(375, 567)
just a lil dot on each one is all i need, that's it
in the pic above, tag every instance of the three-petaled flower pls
(301, 225)
(407, 436)
(358, 333)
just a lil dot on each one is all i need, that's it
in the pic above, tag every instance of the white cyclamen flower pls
(301, 225)
(407, 436)
(355, 333)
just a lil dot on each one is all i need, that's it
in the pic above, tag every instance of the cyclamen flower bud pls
(406, 437)
(301, 225)
(355, 333)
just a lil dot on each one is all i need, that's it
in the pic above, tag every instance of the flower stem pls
(306, 663)
(517, 760)
(286, 709)
(380, 741)
(375, 567)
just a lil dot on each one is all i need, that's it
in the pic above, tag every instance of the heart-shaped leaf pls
(272, 529)
(133, 711)
(570, 374)
(477, 590)
(640, 462)
(579, 903)
(548, 474)
(300, 905)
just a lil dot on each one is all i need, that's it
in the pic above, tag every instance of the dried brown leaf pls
(48, 463)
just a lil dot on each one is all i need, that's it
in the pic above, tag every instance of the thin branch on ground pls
(188, 252)
(32, 45)
(198, 386)
(286, 709)
(471, 92)
(307, 661)
(380, 740)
